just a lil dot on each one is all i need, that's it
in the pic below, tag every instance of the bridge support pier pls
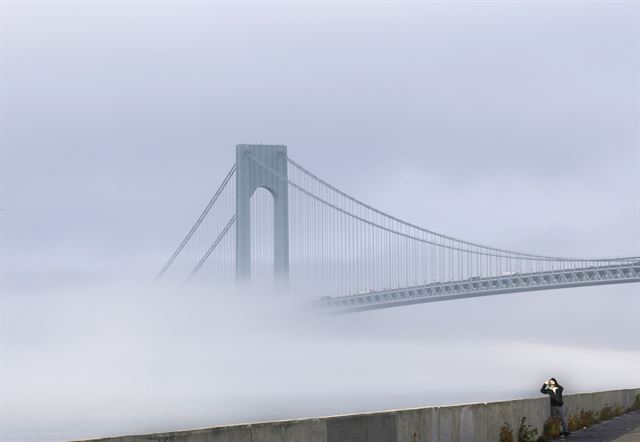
(249, 177)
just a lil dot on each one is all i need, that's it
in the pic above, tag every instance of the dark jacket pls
(556, 398)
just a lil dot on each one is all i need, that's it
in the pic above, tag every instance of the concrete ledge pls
(459, 423)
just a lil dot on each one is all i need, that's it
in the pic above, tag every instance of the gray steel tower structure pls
(249, 177)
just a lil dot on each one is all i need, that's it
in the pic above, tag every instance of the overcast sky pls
(510, 124)
(120, 120)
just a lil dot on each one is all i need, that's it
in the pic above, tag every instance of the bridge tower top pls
(249, 177)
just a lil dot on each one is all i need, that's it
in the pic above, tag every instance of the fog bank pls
(112, 361)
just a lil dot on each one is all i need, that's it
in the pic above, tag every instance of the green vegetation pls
(552, 426)
(606, 413)
(586, 419)
(506, 433)
(526, 433)
(574, 422)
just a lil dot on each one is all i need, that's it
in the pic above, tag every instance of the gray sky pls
(120, 120)
(509, 124)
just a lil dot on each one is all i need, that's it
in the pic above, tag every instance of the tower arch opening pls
(262, 238)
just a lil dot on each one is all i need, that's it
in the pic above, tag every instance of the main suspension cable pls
(510, 254)
(196, 225)
(468, 243)
(212, 248)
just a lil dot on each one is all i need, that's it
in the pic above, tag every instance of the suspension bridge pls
(272, 223)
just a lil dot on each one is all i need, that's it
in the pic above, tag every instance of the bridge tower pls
(249, 177)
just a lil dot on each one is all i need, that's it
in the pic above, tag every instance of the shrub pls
(551, 428)
(506, 433)
(636, 405)
(617, 411)
(526, 433)
(573, 421)
(606, 413)
(585, 419)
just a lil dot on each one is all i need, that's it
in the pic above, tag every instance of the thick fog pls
(510, 124)
(115, 361)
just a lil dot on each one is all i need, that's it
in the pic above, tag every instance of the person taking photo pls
(554, 390)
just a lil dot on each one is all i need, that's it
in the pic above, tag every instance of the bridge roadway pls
(473, 287)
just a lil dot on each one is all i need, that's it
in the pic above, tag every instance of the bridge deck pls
(521, 282)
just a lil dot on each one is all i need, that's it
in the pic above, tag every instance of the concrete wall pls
(460, 423)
